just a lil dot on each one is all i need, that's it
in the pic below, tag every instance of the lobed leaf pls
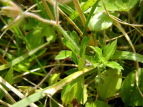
(129, 92)
(72, 91)
(111, 83)
(117, 5)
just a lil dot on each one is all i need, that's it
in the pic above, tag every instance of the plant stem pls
(39, 18)
(7, 95)
(70, 21)
(18, 93)
(51, 90)
(47, 9)
(78, 8)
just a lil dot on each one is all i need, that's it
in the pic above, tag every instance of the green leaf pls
(97, 57)
(109, 50)
(93, 60)
(112, 83)
(64, 54)
(117, 5)
(2, 94)
(128, 56)
(9, 76)
(49, 32)
(98, 80)
(21, 58)
(51, 36)
(89, 17)
(109, 5)
(53, 78)
(55, 87)
(97, 103)
(72, 42)
(75, 58)
(100, 21)
(129, 92)
(68, 10)
(23, 65)
(125, 5)
(114, 65)
(28, 25)
(74, 36)
(68, 94)
(98, 51)
(83, 45)
(34, 38)
(67, 54)
(73, 91)
(81, 63)
(88, 4)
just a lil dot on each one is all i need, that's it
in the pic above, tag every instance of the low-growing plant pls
(84, 53)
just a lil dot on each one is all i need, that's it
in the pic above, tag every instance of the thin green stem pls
(89, 17)
(39, 18)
